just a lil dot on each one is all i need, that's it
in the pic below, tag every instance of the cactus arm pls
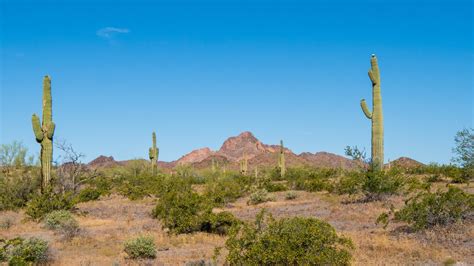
(37, 128)
(157, 153)
(365, 109)
(150, 153)
(50, 131)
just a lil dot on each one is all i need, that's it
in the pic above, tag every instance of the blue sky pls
(198, 72)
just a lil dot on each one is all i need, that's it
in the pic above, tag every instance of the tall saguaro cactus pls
(281, 159)
(376, 116)
(244, 165)
(44, 133)
(153, 153)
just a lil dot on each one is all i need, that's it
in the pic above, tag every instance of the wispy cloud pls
(110, 32)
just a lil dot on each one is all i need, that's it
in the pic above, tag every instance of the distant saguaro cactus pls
(281, 159)
(153, 153)
(214, 165)
(44, 133)
(376, 116)
(244, 165)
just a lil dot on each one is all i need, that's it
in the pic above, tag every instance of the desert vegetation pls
(229, 208)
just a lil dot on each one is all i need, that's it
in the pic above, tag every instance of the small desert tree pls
(71, 173)
(464, 151)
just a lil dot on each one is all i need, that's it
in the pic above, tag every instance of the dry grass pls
(107, 223)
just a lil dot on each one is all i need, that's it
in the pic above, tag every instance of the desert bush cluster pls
(20, 251)
(288, 241)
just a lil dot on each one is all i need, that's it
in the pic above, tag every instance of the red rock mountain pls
(258, 153)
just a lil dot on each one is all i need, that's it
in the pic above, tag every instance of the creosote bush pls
(427, 209)
(259, 196)
(289, 241)
(185, 211)
(373, 185)
(18, 187)
(63, 222)
(311, 180)
(142, 247)
(18, 251)
(47, 202)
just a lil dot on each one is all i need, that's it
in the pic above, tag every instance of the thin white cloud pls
(110, 32)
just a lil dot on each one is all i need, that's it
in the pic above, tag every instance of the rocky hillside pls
(258, 153)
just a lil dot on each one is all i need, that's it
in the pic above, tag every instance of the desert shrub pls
(311, 179)
(289, 241)
(6, 222)
(18, 251)
(291, 195)
(275, 187)
(373, 185)
(87, 194)
(18, 188)
(47, 202)
(185, 211)
(180, 211)
(142, 247)
(218, 223)
(139, 186)
(433, 178)
(62, 221)
(224, 190)
(259, 196)
(427, 209)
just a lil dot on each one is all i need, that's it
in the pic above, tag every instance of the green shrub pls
(275, 187)
(180, 211)
(428, 209)
(63, 222)
(289, 241)
(47, 202)
(18, 251)
(87, 194)
(291, 195)
(138, 187)
(142, 247)
(6, 222)
(219, 223)
(373, 185)
(433, 178)
(311, 179)
(18, 188)
(259, 196)
(224, 190)
(184, 211)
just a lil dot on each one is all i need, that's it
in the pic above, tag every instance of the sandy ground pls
(107, 223)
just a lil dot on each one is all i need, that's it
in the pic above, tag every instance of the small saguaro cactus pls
(281, 159)
(376, 116)
(244, 165)
(153, 153)
(214, 165)
(44, 133)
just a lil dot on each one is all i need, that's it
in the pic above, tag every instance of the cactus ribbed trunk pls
(44, 133)
(153, 154)
(281, 160)
(376, 116)
(244, 165)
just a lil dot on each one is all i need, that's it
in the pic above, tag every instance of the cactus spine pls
(44, 133)
(281, 159)
(376, 116)
(244, 165)
(153, 153)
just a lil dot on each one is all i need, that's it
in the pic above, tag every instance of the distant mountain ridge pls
(246, 144)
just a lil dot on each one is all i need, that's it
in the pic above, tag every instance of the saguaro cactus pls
(244, 165)
(281, 159)
(153, 153)
(44, 133)
(376, 116)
